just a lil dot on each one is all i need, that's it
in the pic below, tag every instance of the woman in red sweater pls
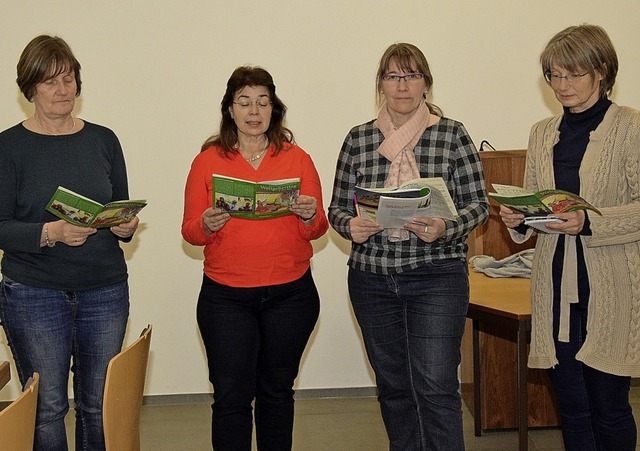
(258, 303)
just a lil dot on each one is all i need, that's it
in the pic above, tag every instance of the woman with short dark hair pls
(64, 298)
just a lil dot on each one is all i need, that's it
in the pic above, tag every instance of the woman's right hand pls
(361, 229)
(213, 219)
(63, 232)
(510, 219)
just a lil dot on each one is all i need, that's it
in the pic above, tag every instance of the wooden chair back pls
(5, 373)
(123, 392)
(18, 419)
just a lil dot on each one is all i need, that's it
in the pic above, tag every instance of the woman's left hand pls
(572, 225)
(126, 229)
(305, 207)
(427, 229)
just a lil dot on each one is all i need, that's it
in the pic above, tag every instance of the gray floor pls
(326, 424)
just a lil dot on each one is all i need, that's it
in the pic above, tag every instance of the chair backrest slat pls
(123, 393)
(18, 419)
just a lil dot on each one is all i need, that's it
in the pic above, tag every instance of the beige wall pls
(155, 72)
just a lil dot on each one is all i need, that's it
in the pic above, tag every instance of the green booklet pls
(254, 200)
(82, 211)
(539, 206)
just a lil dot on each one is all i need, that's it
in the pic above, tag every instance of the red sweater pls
(246, 252)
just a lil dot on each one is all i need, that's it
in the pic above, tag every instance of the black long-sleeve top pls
(89, 162)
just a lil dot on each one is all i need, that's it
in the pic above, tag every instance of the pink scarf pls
(397, 147)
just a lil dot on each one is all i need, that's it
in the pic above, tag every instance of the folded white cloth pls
(516, 265)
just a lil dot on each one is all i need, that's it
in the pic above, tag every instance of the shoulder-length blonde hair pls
(409, 58)
(583, 48)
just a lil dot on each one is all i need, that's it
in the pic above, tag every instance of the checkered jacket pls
(444, 150)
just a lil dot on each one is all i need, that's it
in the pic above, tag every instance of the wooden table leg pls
(523, 420)
(477, 408)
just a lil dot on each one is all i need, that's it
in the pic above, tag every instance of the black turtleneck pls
(575, 130)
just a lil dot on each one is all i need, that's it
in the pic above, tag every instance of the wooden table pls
(502, 305)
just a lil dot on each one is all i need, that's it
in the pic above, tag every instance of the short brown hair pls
(583, 47)
(409, 58)
(227, 137)
(43, 58)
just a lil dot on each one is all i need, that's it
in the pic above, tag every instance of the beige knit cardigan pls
(609, 179)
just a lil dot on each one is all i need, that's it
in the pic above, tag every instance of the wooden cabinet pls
(498, 346)
(499, 381)
(505, 167)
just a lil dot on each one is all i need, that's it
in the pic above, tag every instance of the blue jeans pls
(254, 339)
(594, 406)
(46, 329)
(412, 325)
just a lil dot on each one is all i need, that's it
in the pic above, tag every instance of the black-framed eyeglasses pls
(554, 78)
(262, 102)
(407, 77)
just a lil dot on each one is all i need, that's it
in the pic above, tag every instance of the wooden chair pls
(5, 373)
(123, 393)
(18, 419)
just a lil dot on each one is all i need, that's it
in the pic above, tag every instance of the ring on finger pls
(426, 229)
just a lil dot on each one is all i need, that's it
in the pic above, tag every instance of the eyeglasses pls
(409, 78)
(554, 78)
(262, 103)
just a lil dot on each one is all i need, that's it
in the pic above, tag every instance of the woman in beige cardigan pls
(585, 286)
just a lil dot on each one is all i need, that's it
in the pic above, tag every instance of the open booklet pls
(539, 208)
(393, 207)
(255, 200)
(82, 211)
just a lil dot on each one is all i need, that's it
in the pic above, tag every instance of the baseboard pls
(311, 393)
(346, 392)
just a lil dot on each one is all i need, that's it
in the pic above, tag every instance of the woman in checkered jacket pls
(409, 286)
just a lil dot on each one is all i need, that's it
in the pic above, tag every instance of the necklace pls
(259, 154)
(73, 126)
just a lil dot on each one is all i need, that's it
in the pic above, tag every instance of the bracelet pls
(46, 237)
(311, 217)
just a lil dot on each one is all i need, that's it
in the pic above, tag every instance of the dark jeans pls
(46, 329)
(412, 325)
(594, 406)
(254, 339)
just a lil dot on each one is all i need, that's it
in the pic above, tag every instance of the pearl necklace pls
(257, 156)
(73, 126)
